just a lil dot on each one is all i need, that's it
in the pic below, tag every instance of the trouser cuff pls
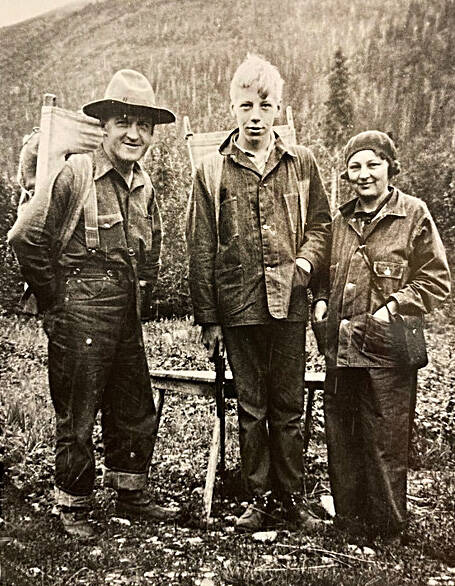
(124, 480)
(64, 499)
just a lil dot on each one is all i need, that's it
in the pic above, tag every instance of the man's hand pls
(320, 310)
(212, 336)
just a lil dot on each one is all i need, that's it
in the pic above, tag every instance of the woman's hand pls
(383, 314)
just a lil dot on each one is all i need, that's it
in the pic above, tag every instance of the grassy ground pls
(35, 551)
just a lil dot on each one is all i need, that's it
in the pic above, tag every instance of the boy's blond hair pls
(257, 72)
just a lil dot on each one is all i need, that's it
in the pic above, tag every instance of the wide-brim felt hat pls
(129, 92)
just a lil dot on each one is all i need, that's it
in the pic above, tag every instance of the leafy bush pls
(170, 171)
(429, 173)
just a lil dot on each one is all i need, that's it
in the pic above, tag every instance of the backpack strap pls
(88, 192)
(83, 197)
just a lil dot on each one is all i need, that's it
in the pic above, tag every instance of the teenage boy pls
(254, 243)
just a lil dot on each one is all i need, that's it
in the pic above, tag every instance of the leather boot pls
(257, 514)
(75, 522)
(298, 512)
(138, 504)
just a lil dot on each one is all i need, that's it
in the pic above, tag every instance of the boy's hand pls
(212, 336)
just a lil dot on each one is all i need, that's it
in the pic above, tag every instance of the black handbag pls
(408, 334)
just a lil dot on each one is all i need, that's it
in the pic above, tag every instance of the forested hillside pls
(398, 69)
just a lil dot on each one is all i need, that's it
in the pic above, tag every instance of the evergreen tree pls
(339, 108)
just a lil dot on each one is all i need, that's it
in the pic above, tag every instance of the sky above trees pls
(12, 12)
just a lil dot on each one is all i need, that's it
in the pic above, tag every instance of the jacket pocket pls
(379, 340)
(230, 290)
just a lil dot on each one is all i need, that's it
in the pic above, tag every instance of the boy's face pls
(255, 115)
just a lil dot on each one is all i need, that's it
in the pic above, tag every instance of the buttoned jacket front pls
(246, 272)
(408, 264)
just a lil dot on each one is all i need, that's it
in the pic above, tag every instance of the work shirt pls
(129, 228)
(258, 158)
(409, 265)
(246, 273)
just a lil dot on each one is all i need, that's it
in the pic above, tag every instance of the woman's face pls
(368, 174)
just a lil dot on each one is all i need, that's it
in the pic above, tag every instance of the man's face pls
(368, 174)
(255, 115)
(127, 138)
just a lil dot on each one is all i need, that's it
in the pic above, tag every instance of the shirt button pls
(130, 251)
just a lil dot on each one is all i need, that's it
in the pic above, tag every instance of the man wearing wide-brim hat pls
(100, 247)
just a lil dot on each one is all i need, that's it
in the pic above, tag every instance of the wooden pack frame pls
(61, 133)
(202, 144)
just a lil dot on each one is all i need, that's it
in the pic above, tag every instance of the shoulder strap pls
(88, 194)
(83, 189)
(212, 168)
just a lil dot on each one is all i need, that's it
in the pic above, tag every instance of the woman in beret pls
(387, 269)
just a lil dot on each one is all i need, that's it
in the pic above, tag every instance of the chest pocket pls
(112, 235)
(389, 275)
(389, 270)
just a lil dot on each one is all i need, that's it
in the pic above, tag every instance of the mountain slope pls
(189, 48)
